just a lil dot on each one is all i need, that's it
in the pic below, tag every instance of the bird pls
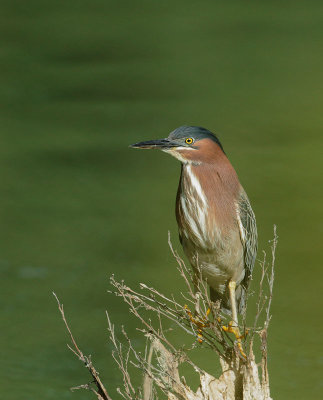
(216, 224)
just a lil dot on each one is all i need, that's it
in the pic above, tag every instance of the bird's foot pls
(231, 328)
(199, 322)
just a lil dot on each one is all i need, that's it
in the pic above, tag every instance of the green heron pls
(217, 227)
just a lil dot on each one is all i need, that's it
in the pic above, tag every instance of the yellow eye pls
(189, 140)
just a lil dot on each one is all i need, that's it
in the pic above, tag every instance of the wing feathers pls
(248, 233)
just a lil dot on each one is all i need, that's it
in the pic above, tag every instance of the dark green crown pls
(195, 132)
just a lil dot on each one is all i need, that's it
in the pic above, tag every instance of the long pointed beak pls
(155, 144)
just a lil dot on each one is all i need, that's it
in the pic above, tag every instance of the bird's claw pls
(200, 323)
(230, 328)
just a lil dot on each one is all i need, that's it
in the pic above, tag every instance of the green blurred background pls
(80, 80)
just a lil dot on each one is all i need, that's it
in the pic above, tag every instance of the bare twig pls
(101, 392)
(271, 277)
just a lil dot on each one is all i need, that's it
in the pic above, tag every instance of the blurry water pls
(82, 80)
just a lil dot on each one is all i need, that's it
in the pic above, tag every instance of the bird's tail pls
(225, 299)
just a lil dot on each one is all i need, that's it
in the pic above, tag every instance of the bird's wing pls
(249, 236)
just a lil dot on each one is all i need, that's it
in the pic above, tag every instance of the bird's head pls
(189, 144)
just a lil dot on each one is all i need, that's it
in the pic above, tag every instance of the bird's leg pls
(233, 326)
(232, 291)
(196, 293)
(198, 319)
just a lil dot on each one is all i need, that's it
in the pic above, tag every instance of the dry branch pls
(242, 376)
(100, 390)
